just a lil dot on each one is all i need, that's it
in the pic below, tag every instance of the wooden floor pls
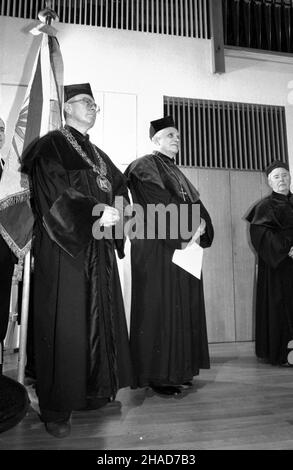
(240, 403)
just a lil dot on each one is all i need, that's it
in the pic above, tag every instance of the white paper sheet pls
(190, 259)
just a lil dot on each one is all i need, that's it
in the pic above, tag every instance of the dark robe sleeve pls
(263, 214)
(122, 191)
(271, 242)
(207, 238)
(273, 247)
(69, 221)
(66, 212)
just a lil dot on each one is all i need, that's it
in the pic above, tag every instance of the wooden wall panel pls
(265, 188)
(245, 192)
(191, 174)
(230, 264)
(214, 187)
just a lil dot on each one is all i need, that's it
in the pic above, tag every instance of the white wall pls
(145, 67)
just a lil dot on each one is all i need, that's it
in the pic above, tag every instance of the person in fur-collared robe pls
(81, 341)
(271, 232)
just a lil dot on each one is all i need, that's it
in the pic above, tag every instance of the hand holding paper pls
(190, 259)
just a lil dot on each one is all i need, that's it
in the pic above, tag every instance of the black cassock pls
(81, 340)
(168, 333)
(271, 232)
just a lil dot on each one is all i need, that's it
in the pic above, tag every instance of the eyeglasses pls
(88, 103)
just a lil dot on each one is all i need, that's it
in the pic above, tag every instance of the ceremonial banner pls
(41, 112)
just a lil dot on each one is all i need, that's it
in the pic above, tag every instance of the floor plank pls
(240, 403)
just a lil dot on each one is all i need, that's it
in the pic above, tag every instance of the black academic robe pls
(168, 333)
(271, 231)
(7, 261)
(81, 341)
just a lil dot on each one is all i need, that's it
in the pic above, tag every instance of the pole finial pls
(47, 15)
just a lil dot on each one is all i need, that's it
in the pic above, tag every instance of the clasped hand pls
(110, 217)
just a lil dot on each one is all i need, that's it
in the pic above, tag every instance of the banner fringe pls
(11, 200)
(19, 252)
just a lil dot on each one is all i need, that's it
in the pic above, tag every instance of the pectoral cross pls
(183, 193)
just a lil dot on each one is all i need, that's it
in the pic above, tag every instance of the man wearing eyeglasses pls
(81, 341)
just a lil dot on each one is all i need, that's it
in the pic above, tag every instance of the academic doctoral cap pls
(276, 164)
(160, 124)
(80, 88)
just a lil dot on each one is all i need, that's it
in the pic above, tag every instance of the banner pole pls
(24, 318)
